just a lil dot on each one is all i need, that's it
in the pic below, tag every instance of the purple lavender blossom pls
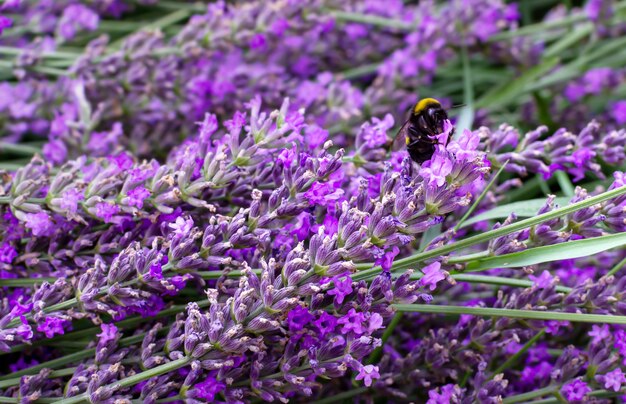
(575, 390)
(5, 22)
(432, 275)
(77, 17)
(7, 253)
(342, 288)
(612, 380)
(368, 374)
(618, 111)
(207, 389)
(599, 333)
(238, 244)
(52, 326)
(39, 223)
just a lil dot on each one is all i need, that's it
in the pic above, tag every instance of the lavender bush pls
(198, 202)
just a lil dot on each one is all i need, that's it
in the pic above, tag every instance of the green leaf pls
(565, 183)
(429, 235)
(567, 41)
(161, 23)
(370, 19)
(557, 252)
(411, 261)
(25, 281)
(358, 72)
(606, 49)
(543, 111)
(512, 89)
(527, 208)
(511, 313)
(494, 280)
(465, 119)
(512, 359)
(528, 189)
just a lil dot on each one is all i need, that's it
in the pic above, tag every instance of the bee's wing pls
(399, 140)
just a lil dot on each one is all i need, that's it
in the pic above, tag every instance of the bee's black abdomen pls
(421, 151)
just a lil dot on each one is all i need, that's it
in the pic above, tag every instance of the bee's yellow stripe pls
(425, 103)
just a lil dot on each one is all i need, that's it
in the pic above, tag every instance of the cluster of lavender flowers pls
(135, 242)
(208, 210)
(222, 58)
(126, 238)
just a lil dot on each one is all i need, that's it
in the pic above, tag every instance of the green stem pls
(231, 274)
(357, 72)
(11, 51)
(55, 373)
(179, 15)
(494, 280)
(595, 393)
(410, 261)
(71, 358)
(55, 363)
(177, 5)
(511, 361)
(564, 182)
(519, 398)
(134, 379)
(74, 301)
(39, 69)
(370, 19)
(20, 149)
(462, 259)
(378, 352)
(124, 324)
(24, 281)
(9, 199)
(511, 313)
(540, 28)
(480, 197)
(341, 396)
(13, 165)
(617, 267)
(292, 371)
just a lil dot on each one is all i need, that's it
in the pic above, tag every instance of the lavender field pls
(246, 201)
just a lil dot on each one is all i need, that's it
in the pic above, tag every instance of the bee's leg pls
(452, 132)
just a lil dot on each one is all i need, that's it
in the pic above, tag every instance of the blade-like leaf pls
(512, 89)
(527, 208)
(511, 313)
(411, 261)
(465, 119)
(429, 235)
(538, 255)
(567, 41)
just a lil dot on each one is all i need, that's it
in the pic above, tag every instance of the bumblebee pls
(421, 132)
